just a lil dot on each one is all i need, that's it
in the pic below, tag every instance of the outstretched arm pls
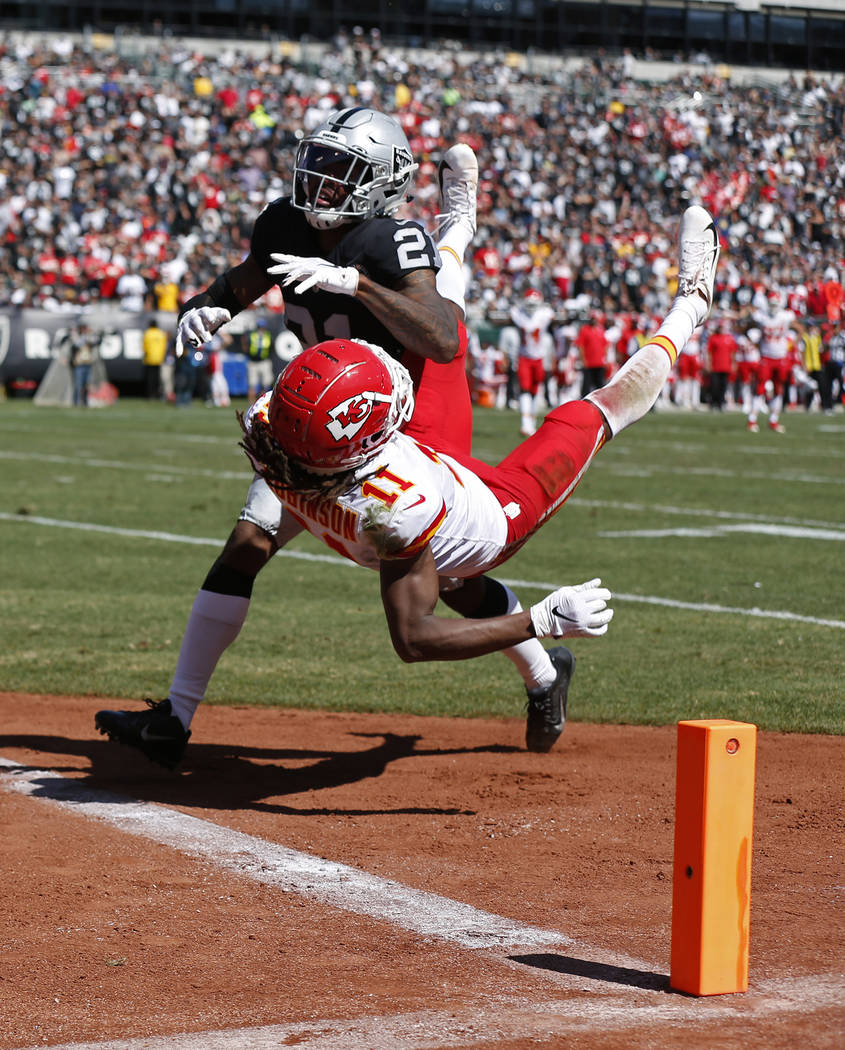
(415, 313)
(233, 290)
(409, 592)
(226, 296)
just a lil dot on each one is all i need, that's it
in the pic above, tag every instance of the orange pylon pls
(711, 882)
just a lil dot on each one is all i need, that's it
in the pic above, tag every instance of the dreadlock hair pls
(282, 472)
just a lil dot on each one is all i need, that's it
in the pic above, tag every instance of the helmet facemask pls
(354, 166)
(327, 185)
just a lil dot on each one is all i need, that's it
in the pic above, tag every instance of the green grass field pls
(723, 549)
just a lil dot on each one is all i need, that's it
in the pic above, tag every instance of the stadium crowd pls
(134, 175)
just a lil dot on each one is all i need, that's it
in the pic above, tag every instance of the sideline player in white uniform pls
(688, 368)
(533, 321)
(567, 362)
(775, 365)
(329, 443)
(747, 368)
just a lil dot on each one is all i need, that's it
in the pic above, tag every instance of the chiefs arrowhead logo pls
(347, 418)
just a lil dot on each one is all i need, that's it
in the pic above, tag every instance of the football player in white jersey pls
(348, 266)
(533, 319)
(688, 369)
(776, 339)
(328, 440)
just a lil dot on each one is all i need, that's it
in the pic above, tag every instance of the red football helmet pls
(337, 403)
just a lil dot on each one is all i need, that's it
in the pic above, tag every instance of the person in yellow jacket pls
(155, 351)
(258, 346)
(810, 345)
(167, 296)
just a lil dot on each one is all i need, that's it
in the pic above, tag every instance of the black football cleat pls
(157, 732)
(546, 708)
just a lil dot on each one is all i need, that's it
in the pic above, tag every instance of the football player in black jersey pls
(347, 269)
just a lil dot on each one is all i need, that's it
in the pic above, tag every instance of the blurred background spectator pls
(155, 351)
(133, 176)
(83, 344)
(721, 358)
(257, 345)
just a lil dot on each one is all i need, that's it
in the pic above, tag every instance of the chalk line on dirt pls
(503, 1019)
(331, 883)
(598, 1001)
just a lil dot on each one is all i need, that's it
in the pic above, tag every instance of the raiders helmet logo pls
(347, 418)
(402, 159)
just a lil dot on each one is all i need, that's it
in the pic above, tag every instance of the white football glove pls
(314, 273)
(199, 325)
(573, 612)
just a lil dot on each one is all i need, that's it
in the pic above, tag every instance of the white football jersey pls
(776, 329)
(534, 325)
(407, 497)
(747, 349)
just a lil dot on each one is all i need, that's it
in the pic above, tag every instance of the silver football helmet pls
(355, 165)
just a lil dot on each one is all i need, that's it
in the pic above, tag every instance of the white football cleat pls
(457, 175)
(698, 242)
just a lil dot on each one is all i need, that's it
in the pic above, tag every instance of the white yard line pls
(791, 477)
(708, 607)
(337, 885)
(707, 532)
(331, 559)
(150, 467)
(741, 448)
(506, 1019)
(624, 469)
(699, 512)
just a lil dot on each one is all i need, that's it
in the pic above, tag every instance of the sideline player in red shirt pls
(592, 342)
(721, 351)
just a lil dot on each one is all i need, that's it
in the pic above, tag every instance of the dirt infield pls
(296, 885)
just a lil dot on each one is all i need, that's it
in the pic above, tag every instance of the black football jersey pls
(384, 249)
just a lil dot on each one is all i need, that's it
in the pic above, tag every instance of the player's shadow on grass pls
(596, 971)
(231, 777)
